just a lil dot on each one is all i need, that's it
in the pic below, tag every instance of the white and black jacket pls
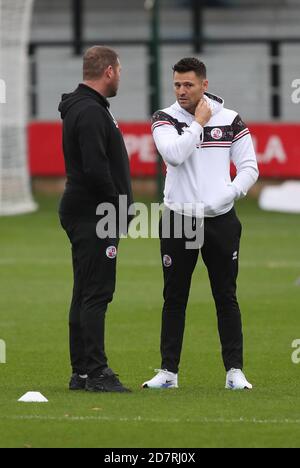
(198, 159)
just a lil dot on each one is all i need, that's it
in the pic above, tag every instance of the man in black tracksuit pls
(97, 170)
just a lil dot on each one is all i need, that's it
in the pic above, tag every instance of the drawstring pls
(202, 136)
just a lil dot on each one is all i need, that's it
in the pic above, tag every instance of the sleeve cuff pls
(238, 193)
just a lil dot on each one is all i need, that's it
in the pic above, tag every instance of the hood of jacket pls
(82, 93)
(215, 102)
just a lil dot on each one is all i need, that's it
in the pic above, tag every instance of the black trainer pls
(107, 381)
(77, 382)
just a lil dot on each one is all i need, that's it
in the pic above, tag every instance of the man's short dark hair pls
(190, 64)
(96, 60)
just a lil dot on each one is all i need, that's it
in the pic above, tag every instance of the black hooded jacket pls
(96, 158)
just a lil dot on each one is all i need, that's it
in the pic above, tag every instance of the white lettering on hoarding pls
(142, 145)
(274, 151)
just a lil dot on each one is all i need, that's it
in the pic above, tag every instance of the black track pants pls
(94, 265)
(221, 255)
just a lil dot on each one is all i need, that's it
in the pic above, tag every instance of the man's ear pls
(109, 71)
(205, 85)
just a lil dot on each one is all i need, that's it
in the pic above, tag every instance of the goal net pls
(15, 187)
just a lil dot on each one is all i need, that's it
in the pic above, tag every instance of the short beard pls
(112, 92)
(190, 109)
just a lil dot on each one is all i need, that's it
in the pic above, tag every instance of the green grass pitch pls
(35, 288)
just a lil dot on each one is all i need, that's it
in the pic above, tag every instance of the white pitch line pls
(53, 261)
(153, 420)
(150, 263)
(35, 261)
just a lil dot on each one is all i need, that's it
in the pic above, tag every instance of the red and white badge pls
(167, 261)
(111, 252)
(216, 134)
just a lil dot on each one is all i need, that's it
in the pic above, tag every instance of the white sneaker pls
(163, 379)
(236, 380)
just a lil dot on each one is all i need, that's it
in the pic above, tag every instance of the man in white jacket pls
(198, 138)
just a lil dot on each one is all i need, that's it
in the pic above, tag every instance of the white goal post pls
(15, 186)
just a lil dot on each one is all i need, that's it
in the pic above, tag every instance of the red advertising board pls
(277, 147)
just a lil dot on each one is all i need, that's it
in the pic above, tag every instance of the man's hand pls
(203, 112)
(227, 196)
